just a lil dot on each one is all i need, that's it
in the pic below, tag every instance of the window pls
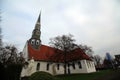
(73, 64)
(33, 41)
(47, 66)
(79, 64)
(68, 65)
(37, 42)
(58, 65)
(64, 66)
(38, 67)
(92, 64)
(88, 64)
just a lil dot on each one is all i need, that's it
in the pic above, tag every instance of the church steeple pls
(36, 32)
(38, 23)
(35, 38)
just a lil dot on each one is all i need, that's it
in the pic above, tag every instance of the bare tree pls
(97, 59)
(88, 50)
(64, 43)
(9, 54)
(11, 62)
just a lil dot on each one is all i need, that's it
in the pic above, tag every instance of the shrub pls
(12, 71)
(41, 76)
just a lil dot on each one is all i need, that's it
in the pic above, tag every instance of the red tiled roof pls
(41, 54)
(46, 53)
(76, 54)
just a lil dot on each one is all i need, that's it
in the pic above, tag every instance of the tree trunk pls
(65, 70)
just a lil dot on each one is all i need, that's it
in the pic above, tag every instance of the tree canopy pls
(67, 43)
(64, 42)
(9, 55)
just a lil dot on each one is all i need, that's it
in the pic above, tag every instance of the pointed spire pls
(35, 38)
(39, 20)
(36, 32)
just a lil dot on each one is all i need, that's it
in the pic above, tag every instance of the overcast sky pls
(95, 23)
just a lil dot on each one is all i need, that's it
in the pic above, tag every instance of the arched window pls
(38, 67)
(79, 64)
(73, 64)
(68, 65)
(88, 64)
(58, 66)
(47, 66)
(37, 42)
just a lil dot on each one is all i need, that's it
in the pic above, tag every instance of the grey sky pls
(95, 23)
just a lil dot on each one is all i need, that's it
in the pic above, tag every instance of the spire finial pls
(39, 18)
(38, 23)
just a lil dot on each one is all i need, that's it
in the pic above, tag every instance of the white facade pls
(84, 66)
(25, 51)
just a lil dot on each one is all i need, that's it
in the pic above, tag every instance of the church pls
(40, 57)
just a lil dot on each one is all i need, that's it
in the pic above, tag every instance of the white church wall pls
(29, 69)
(25, 51)
(52, 68)
(24, 72)
(77, 69)
(90, 66)
(86, 67)
(43, 66)
(58, 70)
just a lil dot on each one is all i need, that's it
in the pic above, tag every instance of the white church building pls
(41, 57)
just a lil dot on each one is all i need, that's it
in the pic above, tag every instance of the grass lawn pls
(99, 75)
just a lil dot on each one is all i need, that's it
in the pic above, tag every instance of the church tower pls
(35, 38)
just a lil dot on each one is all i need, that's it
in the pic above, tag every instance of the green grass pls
(89, 76)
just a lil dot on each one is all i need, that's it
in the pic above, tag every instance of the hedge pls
(42, 76)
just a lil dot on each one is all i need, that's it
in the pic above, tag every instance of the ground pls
(99, 75)
(114, 75)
